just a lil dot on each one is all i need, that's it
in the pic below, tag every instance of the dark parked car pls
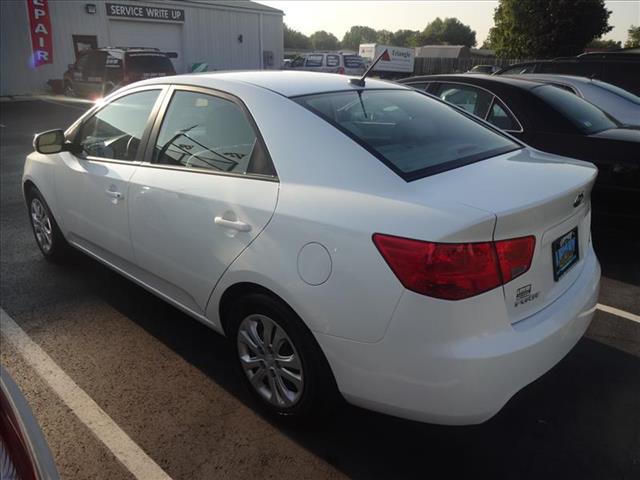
(554, 120)
(98, 72)
(620, 69)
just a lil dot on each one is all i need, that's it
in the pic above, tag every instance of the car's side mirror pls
(52, 141)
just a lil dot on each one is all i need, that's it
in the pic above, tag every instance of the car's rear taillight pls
(514, 256)
(453, 271)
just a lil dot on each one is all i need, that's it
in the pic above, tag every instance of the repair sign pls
(40, 28)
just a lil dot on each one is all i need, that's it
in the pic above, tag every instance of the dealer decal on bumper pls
(524, 295)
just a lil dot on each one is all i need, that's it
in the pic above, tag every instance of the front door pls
(110, 140)
(209, 191)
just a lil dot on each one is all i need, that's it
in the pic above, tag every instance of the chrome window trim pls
(455, 82)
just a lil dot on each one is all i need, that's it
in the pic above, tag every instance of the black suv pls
(98, 72)
(618, 68)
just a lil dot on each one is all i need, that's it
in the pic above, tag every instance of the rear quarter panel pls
(335, 193)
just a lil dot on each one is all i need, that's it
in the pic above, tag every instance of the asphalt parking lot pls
(167, 382)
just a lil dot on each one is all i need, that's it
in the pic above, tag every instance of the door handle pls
(237, 225)
(116, 195)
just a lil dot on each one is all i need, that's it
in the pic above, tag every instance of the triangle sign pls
(385, 56)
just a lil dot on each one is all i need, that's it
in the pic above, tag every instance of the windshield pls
(621, 92)
(412, 133)
(141, 63)
(586, 117)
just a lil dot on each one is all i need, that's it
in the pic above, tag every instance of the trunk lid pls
(530, 193)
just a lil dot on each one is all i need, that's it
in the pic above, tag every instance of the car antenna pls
(360, 81)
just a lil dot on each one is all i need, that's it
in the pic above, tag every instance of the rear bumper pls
(459, 362)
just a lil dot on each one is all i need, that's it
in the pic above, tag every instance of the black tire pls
(55, 248)
(319, 394)
(68, 89)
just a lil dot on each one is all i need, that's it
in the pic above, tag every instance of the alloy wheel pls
(270, 361)
(41, 225)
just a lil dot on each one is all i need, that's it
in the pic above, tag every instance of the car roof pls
(287, 83)
(538, 77)
(478, 79)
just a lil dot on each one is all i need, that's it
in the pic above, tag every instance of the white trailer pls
(395, 60)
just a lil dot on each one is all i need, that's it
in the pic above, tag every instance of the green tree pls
(604, 44)
(322, 40)
(357, 35)
(295, 40)
(538, 29)
(633, 38)
(386, 37)
(449, 31)
(406, 38)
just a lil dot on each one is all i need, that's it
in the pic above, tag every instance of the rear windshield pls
(353, 61)
(621, 92)
(586, 117)
(412, 133)
(149, 63)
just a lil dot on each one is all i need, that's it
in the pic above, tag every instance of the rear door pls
(208, 190)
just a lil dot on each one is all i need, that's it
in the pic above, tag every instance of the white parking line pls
(88, 411)
(618, 312)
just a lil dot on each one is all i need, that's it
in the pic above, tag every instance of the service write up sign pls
(147, 13)
(40, 29)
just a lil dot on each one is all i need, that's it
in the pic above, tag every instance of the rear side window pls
(333, 61)
(148, 63)
(353, 61)
(473, 100)
(314, 60)
(96, 65)
(586, 117)
(204, 132)
(411, 133)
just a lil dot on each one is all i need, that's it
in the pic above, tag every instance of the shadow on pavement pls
(579, 420)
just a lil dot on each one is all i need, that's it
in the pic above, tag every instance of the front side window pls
(114, 132)
(298, 62)
(412, 133)
(473, 100)
(314, 60)
(200, 131)
(586, 117)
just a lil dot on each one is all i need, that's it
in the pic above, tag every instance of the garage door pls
(165, 36)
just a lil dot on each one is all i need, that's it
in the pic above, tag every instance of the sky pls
(308, 16)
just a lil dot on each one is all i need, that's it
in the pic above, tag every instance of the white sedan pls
(364, 241)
